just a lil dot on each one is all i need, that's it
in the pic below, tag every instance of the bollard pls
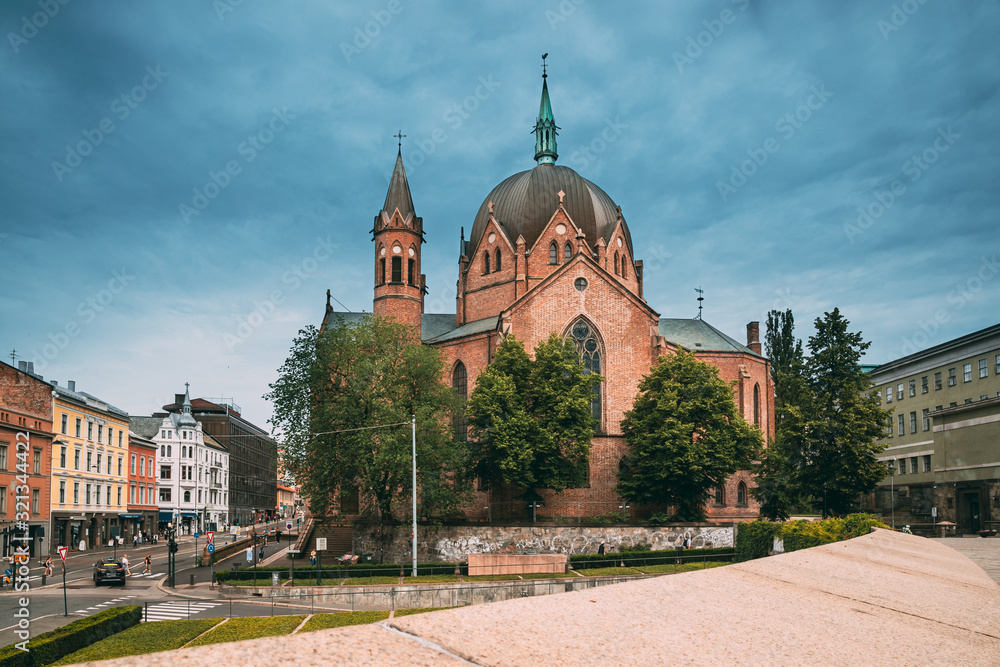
(192, 580)
(43, 580)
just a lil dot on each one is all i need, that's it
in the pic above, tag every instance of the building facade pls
(943, 437)
(252, 457)
(143, 515)
(193, 470)
(550, 251)
(89, 473)
(25, 461)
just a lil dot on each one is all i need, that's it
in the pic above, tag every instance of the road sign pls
(211, 548)
(210, 534)
(196, 536)
(62, 553)
(934, 512)
(320, 544)
(288, 525)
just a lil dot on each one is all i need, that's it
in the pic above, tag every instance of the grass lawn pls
(410, 612)
(324, 621)
(549, 575)
(608, 571)
(141, 639)
(686, 567)
(431, 579)
(493, 577)
(370, 581)
(250, 628)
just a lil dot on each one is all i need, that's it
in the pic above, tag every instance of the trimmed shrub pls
(755, 539)
(51, 646)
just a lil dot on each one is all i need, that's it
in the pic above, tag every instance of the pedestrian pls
(600, 549)
(135, 541)
(126, 566)
(312, 558)
(261, 556)
(687, 542)
(48, 566)
(148, 562)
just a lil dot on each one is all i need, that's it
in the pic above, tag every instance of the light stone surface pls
(885, 598)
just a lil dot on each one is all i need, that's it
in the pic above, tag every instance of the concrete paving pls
(885, 597)
(983, 551)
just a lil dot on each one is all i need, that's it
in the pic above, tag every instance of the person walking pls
(126, 566)
(312, 557)
(48, 566)
(135, 541)
(148, 564)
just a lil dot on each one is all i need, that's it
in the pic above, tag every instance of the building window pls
(65, 424)
(36, 463)
(983, 368)
(97, 490)
(397, 269)
(109, 463)
(913, 388)
(79, 423)
(899, 391)
(923, 385)
(756, 405)
(86, 495)
(121, 439)
(952, 380)
(568, 252)
(168, 451)
(902, 425)
(62, 492)
(927, 420)
(164, 494)
(89, 461)
(111, 436)
(486, 262)
(927, 462)
(616, 262)
(888, 426)
(913, 465)
(142, 466)
(888, 394)
(553, 253)
(996, 367)
(119, 495)
(149, 467)
(90, 430)
(497, 267)
(133, 464)
(913, 422)
(36, 501)
(163, 450)
(937, 381)
(187, 496)
(164, 472)
(624, 264)
(3, 461)
(459, 382)
(741, 494)
(720, 495)
(98, 467)
(967, 373)
(585, 338)
(76, 493)
(131, 494)
(62, 457)
(411, 265)
(119, 465)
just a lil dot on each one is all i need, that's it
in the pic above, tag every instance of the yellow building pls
(89, 469)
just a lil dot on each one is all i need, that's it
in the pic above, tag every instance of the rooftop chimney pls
(71, 385)
(31, 367)
(179, 399)
(753, 336)
(22, 366)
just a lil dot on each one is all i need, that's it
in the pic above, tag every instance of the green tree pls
(530, 419)
(838, 461)
(685, 436)
(343, 401)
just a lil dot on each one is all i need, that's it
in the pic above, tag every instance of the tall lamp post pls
(892, 491)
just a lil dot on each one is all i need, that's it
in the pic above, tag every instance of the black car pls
(109, 571)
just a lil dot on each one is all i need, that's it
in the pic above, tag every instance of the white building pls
(194, 472)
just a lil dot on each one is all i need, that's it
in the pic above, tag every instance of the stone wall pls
(454, 543)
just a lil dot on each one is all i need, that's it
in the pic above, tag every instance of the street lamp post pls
(892, 491)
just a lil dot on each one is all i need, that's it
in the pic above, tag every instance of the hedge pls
(358, 571)
(51, 646)
(756, 539)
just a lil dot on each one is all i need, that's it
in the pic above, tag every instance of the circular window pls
(396, 249)
(580, 330)
(580, 284)
(560, 228)
(411, 252)
(493, 237)
(383, 251)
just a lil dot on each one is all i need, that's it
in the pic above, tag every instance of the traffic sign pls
(288, 525)
(62, 553)
(196, 536)
(211, 548)
(210, 534)
(320, 544)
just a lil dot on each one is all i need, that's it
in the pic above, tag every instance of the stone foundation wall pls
(455, 543)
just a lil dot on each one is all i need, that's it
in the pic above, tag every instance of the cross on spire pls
(544, 73)
(701, 298)
(400, 137)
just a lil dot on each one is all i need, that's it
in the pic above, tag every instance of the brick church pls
(550, 251)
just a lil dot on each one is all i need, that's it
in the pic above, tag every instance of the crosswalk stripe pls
(170, 612)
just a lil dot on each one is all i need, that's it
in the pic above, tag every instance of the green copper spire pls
(545, 127)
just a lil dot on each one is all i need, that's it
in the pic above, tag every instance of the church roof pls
(469, 328)
(699, 336)
(398, 195)
(432, 325)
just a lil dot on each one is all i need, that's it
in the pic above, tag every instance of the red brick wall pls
(26, 406)
(401, 300)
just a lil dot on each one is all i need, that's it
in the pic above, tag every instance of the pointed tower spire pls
(398, 195)
(545, 128)
(186, 409)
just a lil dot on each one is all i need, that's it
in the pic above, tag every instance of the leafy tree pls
(839, 457)
(530, 419)
(343, 401)
(685, 436)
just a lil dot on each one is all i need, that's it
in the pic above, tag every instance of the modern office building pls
(943, 437)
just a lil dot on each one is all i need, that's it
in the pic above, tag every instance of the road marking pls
(169, 611)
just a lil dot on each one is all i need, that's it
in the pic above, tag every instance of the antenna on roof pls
(701, 298)
(13, 356)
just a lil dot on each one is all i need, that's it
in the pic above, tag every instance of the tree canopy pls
(530, 419)
(685, 436)
(343, 402)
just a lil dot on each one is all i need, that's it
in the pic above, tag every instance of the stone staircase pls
(339, 538)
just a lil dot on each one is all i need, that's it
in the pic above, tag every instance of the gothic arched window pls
(756, 405)
(486, 262)
(459, 382)
(624, 263)
(741, 494)
(553, 253)
(568, 252)
(720, 495)
(584, 336)
(497, 267)
(616, 263)
(187, 496)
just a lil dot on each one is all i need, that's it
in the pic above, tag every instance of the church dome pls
(524, 204)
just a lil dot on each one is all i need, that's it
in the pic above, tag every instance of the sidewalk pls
(983, 551)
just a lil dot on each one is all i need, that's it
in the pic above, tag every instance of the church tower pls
(398, 234)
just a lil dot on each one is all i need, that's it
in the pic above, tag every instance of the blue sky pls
(181, 182)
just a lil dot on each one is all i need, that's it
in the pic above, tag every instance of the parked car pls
(108, 571)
